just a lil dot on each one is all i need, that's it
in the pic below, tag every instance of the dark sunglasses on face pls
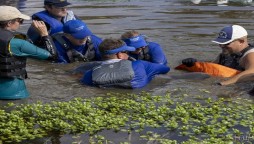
(225, 45)
(20, 20)
(124, 52)
(143, 47)
(231, 42)
(60, 8)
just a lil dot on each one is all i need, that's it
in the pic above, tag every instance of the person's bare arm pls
(246, 75)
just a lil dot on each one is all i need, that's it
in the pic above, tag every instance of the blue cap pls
(77, 29)
(119, 49)
(57, 3)
(137, 41)
(230, 33)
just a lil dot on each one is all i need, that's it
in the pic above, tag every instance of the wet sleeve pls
(96, 42)
(140, 77)
(144, 72)
(24, 48)
(157, 54)
(153, 69)
(87, 78)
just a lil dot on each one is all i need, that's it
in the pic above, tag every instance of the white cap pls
(8, 13)
(196, 1)
(230, 33)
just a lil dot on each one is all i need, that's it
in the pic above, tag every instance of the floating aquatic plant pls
(207, 121)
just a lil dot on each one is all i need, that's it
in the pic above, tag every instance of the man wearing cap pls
(14, 50)
(148, 51)
(236, 53)
(234, 39)
(54, 15)
(76, 43)
(117, 71)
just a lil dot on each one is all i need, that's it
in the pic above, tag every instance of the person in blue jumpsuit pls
(14, 51)
(145, 50)
(55, 15)
(76, 43)
(117, 71)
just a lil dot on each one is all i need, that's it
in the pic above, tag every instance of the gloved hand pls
(189, 62)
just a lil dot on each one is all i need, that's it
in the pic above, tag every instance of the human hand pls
(224, 83)
(40, 27)
(189, 62)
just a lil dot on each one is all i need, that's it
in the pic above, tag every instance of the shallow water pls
(182, 28)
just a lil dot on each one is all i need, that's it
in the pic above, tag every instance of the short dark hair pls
(110, 44)
(129, 34)
(3, 24)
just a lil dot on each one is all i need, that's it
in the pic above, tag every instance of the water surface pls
(182, 28)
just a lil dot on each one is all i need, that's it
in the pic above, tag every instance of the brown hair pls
(110, 44)
(3, 24)
(129, 34)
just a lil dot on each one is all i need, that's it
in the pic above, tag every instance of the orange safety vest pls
(212, 69)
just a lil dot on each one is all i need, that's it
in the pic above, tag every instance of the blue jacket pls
(62, 52)
(144, 72)
(155, 53)
(54, 25)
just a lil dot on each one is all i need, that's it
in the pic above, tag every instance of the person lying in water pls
(117, 71)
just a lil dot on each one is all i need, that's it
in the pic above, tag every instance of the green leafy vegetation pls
(203, 120)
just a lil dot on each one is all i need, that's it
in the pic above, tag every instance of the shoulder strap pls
(59, 37)
(71, 53)
(90, 52)
(245, 50)
(144, 55)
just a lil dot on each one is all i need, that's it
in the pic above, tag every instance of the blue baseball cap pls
(77, 29)
(57, 3)
(119, 49)
(137, 41)
(230, 33)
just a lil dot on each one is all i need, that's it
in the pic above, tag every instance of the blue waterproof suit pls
(128, 74)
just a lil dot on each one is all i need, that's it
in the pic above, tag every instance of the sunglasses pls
(20, 20)
(224, 45)
(124, 52)
(227, 44)
(142, 47)
(60, 8)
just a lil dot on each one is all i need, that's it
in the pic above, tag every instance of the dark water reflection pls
(182, 28)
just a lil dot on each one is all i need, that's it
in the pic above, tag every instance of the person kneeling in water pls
(234, 39)
(145, 50)
(117, 71)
